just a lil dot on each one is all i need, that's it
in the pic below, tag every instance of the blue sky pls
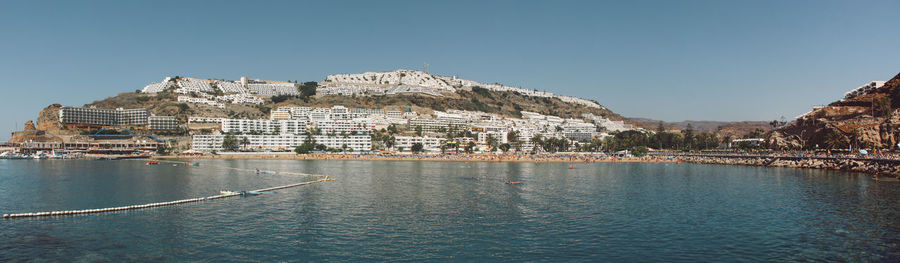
(670, 60)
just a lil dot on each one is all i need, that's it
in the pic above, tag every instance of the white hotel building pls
(242, 126)
(283, 142)
(430, 144)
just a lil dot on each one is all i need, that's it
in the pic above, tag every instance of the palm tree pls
(513, 138)
(245, 142)
(492, 142)
(537, 141)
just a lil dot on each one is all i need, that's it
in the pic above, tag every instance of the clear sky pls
(669, 60)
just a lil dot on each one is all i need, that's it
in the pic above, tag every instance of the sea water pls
(447, 211)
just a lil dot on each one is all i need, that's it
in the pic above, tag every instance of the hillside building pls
(75, 116)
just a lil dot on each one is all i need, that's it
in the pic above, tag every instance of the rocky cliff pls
(870, 120)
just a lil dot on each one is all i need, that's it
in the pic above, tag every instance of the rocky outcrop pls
(48, 118)
(870, 120)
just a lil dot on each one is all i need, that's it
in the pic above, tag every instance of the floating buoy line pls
(171, 203)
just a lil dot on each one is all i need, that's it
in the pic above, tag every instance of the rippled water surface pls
(448, 211)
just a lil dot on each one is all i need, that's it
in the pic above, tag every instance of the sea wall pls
(889, 168)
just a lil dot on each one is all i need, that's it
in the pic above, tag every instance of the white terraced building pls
(350, 90)
(241, 126)
(241, 99)
(394, 114)
(397, 77)
(156, 87)
(320, 114)
(297, 112)
(280, 114)
(274, 89)
(231, 87)
(195, 85)
(365, 113)
(864, 89)
(609, 125)
(205, 120)
(287, 142)
(201, 101)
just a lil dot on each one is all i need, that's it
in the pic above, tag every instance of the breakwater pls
(876, 166)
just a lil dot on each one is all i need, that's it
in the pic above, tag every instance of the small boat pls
(224, 192)
(153, 163)
(195, 164)
(513, 182)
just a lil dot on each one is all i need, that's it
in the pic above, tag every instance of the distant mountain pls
(735, 129)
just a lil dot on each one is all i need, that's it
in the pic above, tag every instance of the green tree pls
(639, 151)
(538, 142)
(308, 89)
(303, 148)
(417, 147)
(492, 142)
(392, 129)
(245, 142)
(419, 130)
(689, 136)
(230, 143)
(470, 148)
(505, 147)
(513, 138)
(162, 149)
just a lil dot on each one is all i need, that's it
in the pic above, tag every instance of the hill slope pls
(865, 120)
(372, 90)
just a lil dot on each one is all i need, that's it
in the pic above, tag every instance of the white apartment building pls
(499, 136)
(283, 142)
(280, 114)
(340, 113)
(320, 114)
(103, 117)
(205, 120)
(163, 123)
(394, 114)
(201, 101)
(430, 144)
(243, 126)
(345, 126)
(429, 125)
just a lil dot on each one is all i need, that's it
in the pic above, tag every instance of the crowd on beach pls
(556, 157)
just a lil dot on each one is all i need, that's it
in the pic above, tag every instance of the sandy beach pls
(449, 158)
